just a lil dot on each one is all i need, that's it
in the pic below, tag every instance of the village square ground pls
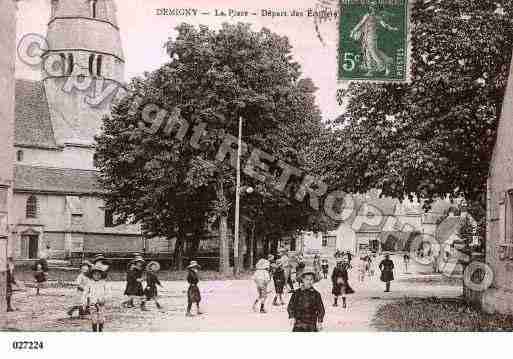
(227, 306)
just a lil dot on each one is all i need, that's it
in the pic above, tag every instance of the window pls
(70, 64)
(32, 207)
(91, 61)
(93, 8)
(63, 63)
(109, 218)
(19, 156)
(99, 65)
(324, 241)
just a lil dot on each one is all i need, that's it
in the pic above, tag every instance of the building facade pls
(57, 202)
(7, 60)
(377, 225)
(499, 234)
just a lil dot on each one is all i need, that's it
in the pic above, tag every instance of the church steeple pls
(84, 40)
(85, 34)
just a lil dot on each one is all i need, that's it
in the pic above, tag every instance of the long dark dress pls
(193, 293)
(339, 279)
(151, 285)
(279, 280)
(133, 286)
(387, 270)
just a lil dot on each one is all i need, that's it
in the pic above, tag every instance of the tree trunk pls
(252, 243)
(224, 254)
(242, 239)
(178, 253)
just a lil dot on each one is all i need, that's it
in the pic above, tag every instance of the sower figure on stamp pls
(193, 293)
(306, 309)
(387, 271)
(96, 292)
(151, 283)
(10, 282)
(366, 32)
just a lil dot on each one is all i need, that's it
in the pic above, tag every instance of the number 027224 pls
(27, 345)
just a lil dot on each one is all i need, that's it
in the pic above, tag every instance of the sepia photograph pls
(263, 167)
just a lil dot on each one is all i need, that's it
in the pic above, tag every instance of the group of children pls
(302, 290)
(138, 273)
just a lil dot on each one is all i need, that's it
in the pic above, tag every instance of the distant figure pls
(300, 267)
(317, 267)
(10, 282)
(406, 260)
(193, 293)
(43, 256)
(279, 283)
(261, 279)
(40, 276)
(152, 281)
(306, 310)
(363, 266)
(371, 265)
(325, 268)
(387, 271)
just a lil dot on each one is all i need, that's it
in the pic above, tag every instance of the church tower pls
(83, 68)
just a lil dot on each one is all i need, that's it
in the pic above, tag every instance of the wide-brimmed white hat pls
(263, 264)
(153, 266)
(193, 264)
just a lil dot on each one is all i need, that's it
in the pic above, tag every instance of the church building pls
(57, 204)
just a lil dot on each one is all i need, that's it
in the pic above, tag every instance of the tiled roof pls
(33, 124)
(55, 180)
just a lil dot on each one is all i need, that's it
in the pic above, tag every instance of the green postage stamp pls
(373, 40)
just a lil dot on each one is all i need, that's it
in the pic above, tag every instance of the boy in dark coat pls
(387, 271)
(306, 310)
(339, 279)
(193, 293)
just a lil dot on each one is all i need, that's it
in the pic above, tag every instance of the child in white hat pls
(262, 279)
(97, 292)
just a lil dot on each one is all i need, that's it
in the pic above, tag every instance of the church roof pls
(33, 126)
(55, 180)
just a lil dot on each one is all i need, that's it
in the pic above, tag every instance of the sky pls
(143, 34)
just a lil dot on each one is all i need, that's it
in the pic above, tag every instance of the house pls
(499, 217)
(377, 224)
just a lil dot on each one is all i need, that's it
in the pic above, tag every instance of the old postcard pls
(240, 166)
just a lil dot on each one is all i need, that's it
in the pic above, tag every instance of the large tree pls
(434, 136)
(213, 78)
